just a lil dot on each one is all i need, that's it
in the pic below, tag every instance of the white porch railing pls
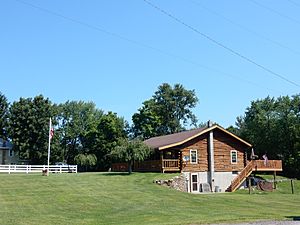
(38, 168)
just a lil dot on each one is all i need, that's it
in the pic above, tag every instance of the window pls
(193, 156)
(11, 153)
(233, 156)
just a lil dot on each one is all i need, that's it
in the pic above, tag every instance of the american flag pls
(51, 130)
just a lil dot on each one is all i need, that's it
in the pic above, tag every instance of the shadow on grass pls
(127, 174)
(115, 174)
(295, 218)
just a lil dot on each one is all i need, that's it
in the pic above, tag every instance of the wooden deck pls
(173, 165)
(163, 165)
(269, 165)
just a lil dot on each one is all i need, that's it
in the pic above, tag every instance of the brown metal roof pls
(172, 140)
(160, 141)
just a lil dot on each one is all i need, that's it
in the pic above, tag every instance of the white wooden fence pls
(38, 168)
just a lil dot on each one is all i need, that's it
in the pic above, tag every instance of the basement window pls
(233, 157)
(193, 156)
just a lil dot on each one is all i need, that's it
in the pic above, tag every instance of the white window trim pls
(236, 153)
(194, 150)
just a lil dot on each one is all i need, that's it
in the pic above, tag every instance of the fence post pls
(274, 180)
(27, 169)
(249, 185)
(76, 169)
(292, 186)
(8, 169)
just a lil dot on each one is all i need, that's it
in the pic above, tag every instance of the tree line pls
(272, 125)
(92, 138)
(88, 136)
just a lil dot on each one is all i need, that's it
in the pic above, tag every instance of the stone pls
(177, 183)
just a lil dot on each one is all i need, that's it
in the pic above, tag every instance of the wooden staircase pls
(254, 165)
(239, 179)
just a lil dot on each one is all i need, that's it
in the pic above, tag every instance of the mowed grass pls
(113, 198)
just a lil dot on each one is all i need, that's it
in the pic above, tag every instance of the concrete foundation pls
(222, 180)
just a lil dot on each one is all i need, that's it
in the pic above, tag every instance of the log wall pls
(223, 144)
(199, 144)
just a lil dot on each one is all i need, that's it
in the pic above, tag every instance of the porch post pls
(161, 161)
(180, 160)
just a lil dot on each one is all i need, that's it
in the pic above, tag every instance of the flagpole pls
(48, 161)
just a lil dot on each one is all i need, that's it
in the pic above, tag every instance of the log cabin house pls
(209, 158)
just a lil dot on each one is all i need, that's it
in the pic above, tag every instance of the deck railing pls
(149, 165)
(38, 168)
(171, 163)
(267, 165)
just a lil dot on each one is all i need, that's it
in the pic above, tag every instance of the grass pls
(116, 198)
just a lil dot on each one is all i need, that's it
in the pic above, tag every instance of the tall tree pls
(130, 151)
(168, 111)
(3, 116)
(28, 128)
(76, 119)
(87, 133)
(261, 123)
(273, 127)
(104, 139)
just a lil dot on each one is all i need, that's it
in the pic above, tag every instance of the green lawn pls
(109, 198)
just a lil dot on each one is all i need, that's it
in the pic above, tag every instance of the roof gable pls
(176, 139)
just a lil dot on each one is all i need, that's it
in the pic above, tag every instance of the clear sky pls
(116, 53)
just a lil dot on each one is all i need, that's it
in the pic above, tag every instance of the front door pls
(194, 182)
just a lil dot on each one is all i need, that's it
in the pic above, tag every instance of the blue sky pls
(116, 53)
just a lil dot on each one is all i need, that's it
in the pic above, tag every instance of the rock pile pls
(178, 183)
